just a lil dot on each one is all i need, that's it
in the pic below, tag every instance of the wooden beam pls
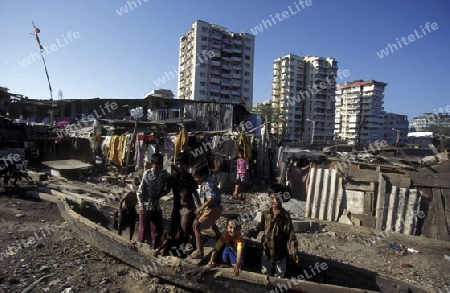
(427, 225)
(446, 198)
(439, 211)
(430, 180)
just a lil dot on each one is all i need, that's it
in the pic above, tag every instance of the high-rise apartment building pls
(396, 127)
(216, 65)
(303, 91)
(359, 112)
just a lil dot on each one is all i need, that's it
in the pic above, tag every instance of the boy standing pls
(150, 190)
(182, 179)
(210, 209)
(278, 231)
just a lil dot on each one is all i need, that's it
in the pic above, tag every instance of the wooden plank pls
(380, 206)
(368, 203)
(427, 225)
(439, 211)
(363, 187)
(399, 180)
(333, 196)
(431, 180)
(361, 175)
(446, 197)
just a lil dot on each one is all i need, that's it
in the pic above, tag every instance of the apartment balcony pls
(215, 63)
(226, 66)
(237, 42)
(236, 59)
(237, 50)
(216, 52)
(276, 66)
(225, 82)
(215, 71)
(235, 93)
(236, 83)
(226, 58)
(216, 46)
(215, 80)
(214, 89)
(216, 36)
(227, 50)
(238, 76)
(225, 92)
(226, 75)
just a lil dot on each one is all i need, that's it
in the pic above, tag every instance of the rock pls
(406, 265)
(345, 218)
(54, 282)
(105, 281)
(20, 215)
(39, 245)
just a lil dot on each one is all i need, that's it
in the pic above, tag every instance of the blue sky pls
(113, 56)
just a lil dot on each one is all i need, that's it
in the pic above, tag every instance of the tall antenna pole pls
(41, 49)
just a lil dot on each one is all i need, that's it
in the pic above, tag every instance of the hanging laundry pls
(139, 151)
(245, 144)
(180, 142)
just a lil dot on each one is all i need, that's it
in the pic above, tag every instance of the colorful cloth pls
(242, 166)
(236, 243)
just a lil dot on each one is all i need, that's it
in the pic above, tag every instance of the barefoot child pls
(234, 246)
(242, 167)
(181, 237)
(210, 209)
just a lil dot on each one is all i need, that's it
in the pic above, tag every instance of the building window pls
(204, 39)
(247, 73)
(204, 47)
(247, 57)
(202, 83)
(202, 93)
(202, 74)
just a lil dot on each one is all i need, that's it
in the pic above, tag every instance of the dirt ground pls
(39, 250)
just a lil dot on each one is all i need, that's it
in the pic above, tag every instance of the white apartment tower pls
(359, 112)
(303, 91)
(216, 65)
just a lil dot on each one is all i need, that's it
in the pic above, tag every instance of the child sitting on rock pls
(234, 246)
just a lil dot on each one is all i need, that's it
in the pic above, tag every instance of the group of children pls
(193, 212)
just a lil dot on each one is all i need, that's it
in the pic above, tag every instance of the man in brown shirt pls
(279, 239)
